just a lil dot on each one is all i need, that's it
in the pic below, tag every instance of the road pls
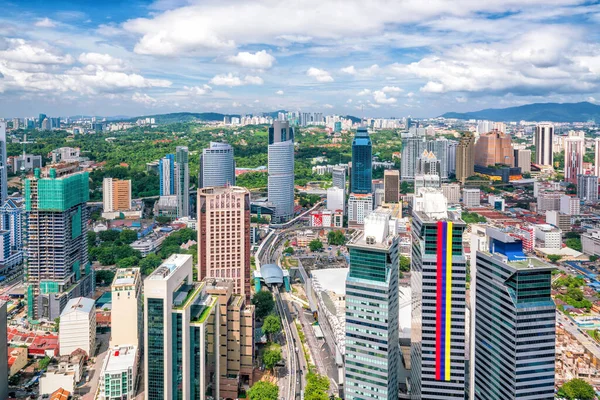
(290, 382)
(88, 391)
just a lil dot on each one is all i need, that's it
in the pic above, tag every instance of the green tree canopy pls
(149, 263)
(104, 277)
(404, 264)
(271, 325)
(554, 257)
(264, 303)
(109, 235)
(272, 356)
(128, 236)
(263, 390)
(315, 245)
(577, 389)
(289, 250)
(336, 238)
(316, 387)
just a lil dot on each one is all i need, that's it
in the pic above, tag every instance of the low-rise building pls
(548, 236)
(548, 201)
(558, 219)
(119, 374)
(590, 242)
(471, 197)
(452, 192)
(77, 329)
(359, 206)
(327, 218)
(65, 373)
(17, 359)
(149, 244)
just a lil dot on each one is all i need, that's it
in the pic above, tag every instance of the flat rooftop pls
(526, 263)
(120, 358)
(169, 266)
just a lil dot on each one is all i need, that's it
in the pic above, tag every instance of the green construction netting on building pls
(77, 270)
(59, 194)
(48, 287)
(30, 306)
(76, 224)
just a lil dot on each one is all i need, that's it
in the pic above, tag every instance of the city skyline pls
(411, 59)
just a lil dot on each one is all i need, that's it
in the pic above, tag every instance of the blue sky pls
(390, 58)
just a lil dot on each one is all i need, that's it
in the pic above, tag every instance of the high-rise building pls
(523, 159)
(412, 148)
(587, 187)
(41, 119)
(452, 192)
(3, 164)
(217, 166)
(465, 158)
(77, 329)
(126, 317)
(336, 199)
(281, 170)
(180, 345)
(3, 352)
(597, 157)
(391, 185)
(11, 219)
(574, 151)
(116, 194)
(362, 171)
(471, 197)
(570, 205)
(359, 206)
(452, 145)
(494, 148)
(224, 236)
(438, 281)
(182, 181)
(339, 177)
(548, 201)
(372, 351)
(166, 175)
(514, 323)
(544, 135)
(439, 147)
(57, 264)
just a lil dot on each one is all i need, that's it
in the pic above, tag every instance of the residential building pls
(217, 166)
(558, 219)
(3, 352)
(544, 135)
(548, 236)
(574, 151)
(391, 185)
(336, 199)
(65, 372)
(58, 268)
(182, 181)
(587, 188)
(494, 148)
(224, 236)
(118, 376)
(11, 219)
(26, 162)
(452, 146)
(362, 172)
(180, 359)
(514, 323)
(570, 205)
(438, 281)
(3, 164)
(590, 242)
(412, 148)
(428, 181)
(439, 147)
(77, 328)
(471, 197)
(548, 200)
(523, 159)
(116, 195)
(281, 170)
(359, 206)
(65, 154)
(452, 192)
(126, 317)
(166, 175)
(465, 158)
(428, 164)
(372, 352)
(339, 177)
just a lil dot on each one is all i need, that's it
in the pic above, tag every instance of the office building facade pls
(391, 185)
(116, 194)
(372, 351)
(3, 164)
(182, 181)
(359, 206)
(544, 136)
(281, 170)
(57, 264)
(523, 159)
(574, 151)
(362, 171)
(587, 188)
(412, 148)
(465, 158)
(514, 323)
(166, 175)
(217, 166)
(494, 148)
(339, 177)
(224, 236)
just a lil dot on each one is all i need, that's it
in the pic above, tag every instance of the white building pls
(544, 134)
(148, 244)
(587, 188)
(359, 206)
(548, 201)
(548, 236)
(590, 242)
(327, 218)
(452, 192)
(336, 199)
(118, 374)
(77, 328)
(126, 318)
(569, 205)
(471, 197)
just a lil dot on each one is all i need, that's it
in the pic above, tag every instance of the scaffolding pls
(57, 194)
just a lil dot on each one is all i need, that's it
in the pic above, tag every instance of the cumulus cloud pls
(349, 70)
(232, 80)
(392, 89)
(259, 60)
(197, 90)
(45, 23)
(319, 74)
(279, 92)
(380, 97)
(143, 98)
(105, 60)
(364, 92)
(22, 51)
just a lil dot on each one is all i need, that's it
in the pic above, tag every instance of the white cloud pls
(349, 101)
(461, 99)
(279, 92)
(327, 106)
(361, 72)
(259, 60)
(20, 50)
(319, 74)
(392, 89)
(232, 80)
(197, 90)
(410, 94)
(374, 105)
(143, 98)
(349, 70)
(235, 104)
(381, 98)
(591, 99)
(45, 23)
(105, 60)
(364, 92)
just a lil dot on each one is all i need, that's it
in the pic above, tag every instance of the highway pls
(290, 348)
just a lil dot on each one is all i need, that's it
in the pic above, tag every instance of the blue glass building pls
(362, 173)
(166, 173)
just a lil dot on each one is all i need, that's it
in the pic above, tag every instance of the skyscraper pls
(281, 170)
(116, 195)
(362, 171)
(3, 352)
(412, 148)
(514, 323)
(217, 166)
(439, 147)
(224, 236)
(587, 187)
(523, 159)
(544, 135)
(166, 174)
(339, 177)
(574, 151)
(3, 164)
(372, 351)
(438, 280)
(494, 148)
(452, 145)
(391, 185)
(182, 181)
(57, 265)
(465, 157)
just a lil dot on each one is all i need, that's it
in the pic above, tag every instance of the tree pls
(575, 244)
(271, 325)
(128, 236)
(272, 356)
(554, 258)
(128, 262)
(404, 264)
(336, 238)
(315, 245)
(91, 239)
(43, 363)
(289, 250)
(593, 258)
(263, 303)
(149, 263)
(109, 235)
(577, 389)
(263, 390)
(104, 277)
(316, 387)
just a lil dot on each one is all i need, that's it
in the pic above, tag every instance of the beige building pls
(391, 185)
(126, 314)
(17, 359)
(116, 195)
(465, 158)
(224, 236)
(77, 328)
(494, 148)
(236, 331)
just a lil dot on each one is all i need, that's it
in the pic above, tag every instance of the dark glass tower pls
(361, 176)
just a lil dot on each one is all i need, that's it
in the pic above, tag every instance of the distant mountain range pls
(552, 112)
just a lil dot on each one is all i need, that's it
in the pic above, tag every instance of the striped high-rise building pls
(544, 135)
(438, 282)
(166, 175)
(217, 166)
(182, 181)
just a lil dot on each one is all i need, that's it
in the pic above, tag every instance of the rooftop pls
(222, 189)
(525, 263)
(169, 266)
(119, 358)
(81, 304)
